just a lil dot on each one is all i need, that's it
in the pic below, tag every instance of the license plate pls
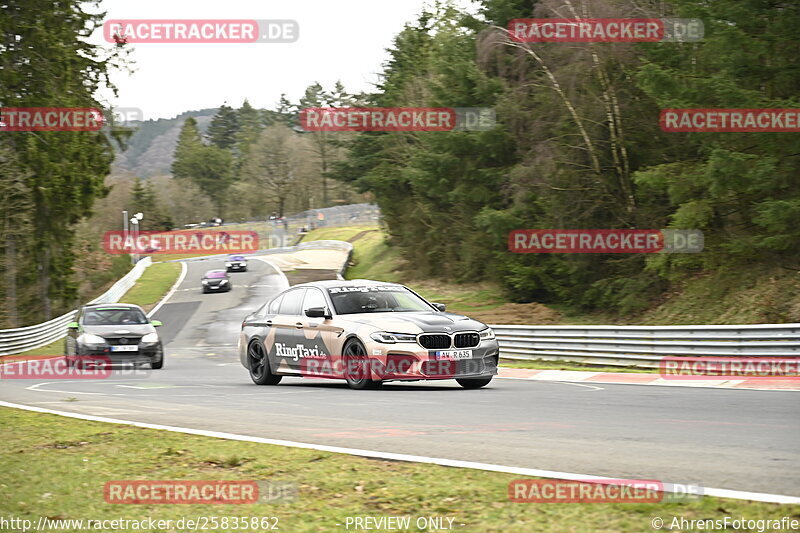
(213, 287)
(130, 348)
(453, 355)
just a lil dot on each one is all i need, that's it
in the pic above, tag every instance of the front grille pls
(466, 340)
(434, 341)
(115, 341)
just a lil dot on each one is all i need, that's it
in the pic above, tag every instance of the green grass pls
(562, 365)
(153, 285)
(344, 233)
(56, 467)
(54, 348)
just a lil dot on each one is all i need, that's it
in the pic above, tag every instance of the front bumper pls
(407, 362)
(217, 288)
(146, 353)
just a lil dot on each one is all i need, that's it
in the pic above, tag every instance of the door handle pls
(268, 323)
(299, 325)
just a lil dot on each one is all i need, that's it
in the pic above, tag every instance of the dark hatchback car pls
(236, 263)
(216, 281)
(121, 332)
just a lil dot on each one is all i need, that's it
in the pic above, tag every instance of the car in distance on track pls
(216, 281)
(121, 332)
(236, 263)
(366, 332)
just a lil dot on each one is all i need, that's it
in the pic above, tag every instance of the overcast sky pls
(339, 39)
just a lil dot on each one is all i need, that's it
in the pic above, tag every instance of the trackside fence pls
(19, 340)
(644, 346)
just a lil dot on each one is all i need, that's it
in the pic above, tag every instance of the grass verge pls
(561, 365)
(153, 285)
(727, 296)
(56, 467)
(344, 233)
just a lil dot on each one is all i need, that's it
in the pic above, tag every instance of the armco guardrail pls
(22, 339)
(644, 346)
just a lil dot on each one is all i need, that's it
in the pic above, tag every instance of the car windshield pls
(214, 274)
(114, 316)
(236, 258)
(377, 299)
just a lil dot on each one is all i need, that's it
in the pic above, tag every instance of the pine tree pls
(189, 142)
(250, 126)
(46, 60)
(224, 127)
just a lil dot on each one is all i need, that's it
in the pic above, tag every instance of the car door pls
(287, 327)
(317, 333)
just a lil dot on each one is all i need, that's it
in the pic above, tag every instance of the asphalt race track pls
(735, 439)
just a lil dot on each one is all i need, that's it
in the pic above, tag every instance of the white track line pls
(552, 474)
(171, 291)
(275, 268)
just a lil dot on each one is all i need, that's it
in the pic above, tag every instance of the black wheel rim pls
(258, 360)
(356, 361)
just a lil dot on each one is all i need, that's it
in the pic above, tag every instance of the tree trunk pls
(44, 284)
(11, 282)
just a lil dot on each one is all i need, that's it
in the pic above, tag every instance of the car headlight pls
(391, 338)
(228, 264)
(205, 282)
(88, 338)
(487, 334)
(223, 282)
(150, 337)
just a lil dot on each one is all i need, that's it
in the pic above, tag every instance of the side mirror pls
(317, 312)
(156, 323)
(72, 325)
(440, 307)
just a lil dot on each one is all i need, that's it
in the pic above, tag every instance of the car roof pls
(216, 270)
(112, 306)
(328, 283)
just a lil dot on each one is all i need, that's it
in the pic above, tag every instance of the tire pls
(159, 364)
(258, 365)
(357, 361)
(474, 383)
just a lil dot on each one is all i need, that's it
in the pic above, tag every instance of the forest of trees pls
(49, 179)
(253, 162)
(577, 145)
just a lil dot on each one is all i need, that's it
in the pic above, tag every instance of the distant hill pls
(150, 148)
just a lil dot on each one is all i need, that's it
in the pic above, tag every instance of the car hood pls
(119, 329)
(416, 322)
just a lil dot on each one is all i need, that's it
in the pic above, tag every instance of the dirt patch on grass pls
(357, 236)
(296, 277)
(531, 313)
